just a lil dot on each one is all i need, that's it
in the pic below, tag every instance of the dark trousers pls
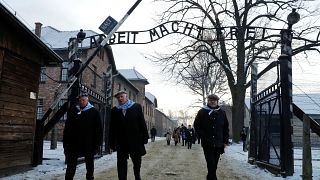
(198, 138)
(122, 165)
(189, 143)
(153, 138)
(175, 143)
(244, 146)
(168, 142)
(72, 160)
(212, 157)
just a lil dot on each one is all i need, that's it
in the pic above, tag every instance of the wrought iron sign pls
(191, 30)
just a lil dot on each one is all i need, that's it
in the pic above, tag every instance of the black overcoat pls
(213, 129)
(128, 133)
(83, 132)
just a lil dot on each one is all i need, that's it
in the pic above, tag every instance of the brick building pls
(93, 79)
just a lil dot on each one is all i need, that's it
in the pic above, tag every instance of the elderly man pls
(211, 124)
(128, 134)
(82, 136)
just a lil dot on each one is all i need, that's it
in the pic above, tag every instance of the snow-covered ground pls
(53, 164)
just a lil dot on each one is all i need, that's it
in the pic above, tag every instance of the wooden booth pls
(22, 54)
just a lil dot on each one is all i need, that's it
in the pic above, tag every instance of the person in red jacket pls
(128, 134)
(211, 124)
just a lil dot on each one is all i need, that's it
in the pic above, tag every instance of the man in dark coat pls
(153, 133)
(189, 136)
(82, 136)
(243, 136)
(211, 124)
(128, 134)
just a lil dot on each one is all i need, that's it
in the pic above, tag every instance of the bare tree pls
(240, 29)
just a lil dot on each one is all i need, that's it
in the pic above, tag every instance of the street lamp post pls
(286, 152)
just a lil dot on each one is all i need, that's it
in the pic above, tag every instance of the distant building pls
(163, 123)
(138, 80)
(22, 54)
(150, 104)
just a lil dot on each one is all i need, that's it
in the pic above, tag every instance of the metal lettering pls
(120, 36)
(251, 33)
(175, 26)
(163, 30)
(188, 28)
(152, 33)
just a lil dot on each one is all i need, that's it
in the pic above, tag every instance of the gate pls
(270, 128)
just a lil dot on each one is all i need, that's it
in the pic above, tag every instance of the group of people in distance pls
(186, 136)
(128, 135)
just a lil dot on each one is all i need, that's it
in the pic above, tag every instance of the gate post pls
(286, 151)
(253, 141)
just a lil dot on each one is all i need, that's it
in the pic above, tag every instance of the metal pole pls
(306, 160)
(286, 151)
(253, 133)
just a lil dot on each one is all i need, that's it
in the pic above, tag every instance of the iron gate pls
(270, 126)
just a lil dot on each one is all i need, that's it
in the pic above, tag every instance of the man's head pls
(212, 100)
(83, 99)
(122, 97)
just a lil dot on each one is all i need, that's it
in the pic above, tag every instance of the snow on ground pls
(235, 152)
(53, 164)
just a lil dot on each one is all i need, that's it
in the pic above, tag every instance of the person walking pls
(211, 124)
(153, 133)
(189, 136)
(183, 130)
(176, 136)
(243, 136)
(128, 134)
(82, 136)
(168, 137)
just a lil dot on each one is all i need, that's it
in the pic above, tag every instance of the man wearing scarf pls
(128, 134)
(211, 124)
(82, 136)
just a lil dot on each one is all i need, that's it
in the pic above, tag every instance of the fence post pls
(307, 160)
(286, 151)
(253, 133)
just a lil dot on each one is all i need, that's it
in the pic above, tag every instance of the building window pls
(130, 94)
(39, 108)
(64, 71)
(61, 102)
(43, 76)
(119, 87)
(94, 76)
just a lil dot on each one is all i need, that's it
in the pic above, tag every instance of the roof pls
(57, 39)
(152, 98)
(127, 81)
(52, 57)
(309, 103)
(133, 75)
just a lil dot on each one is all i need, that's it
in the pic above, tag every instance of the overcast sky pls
(89, 14)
